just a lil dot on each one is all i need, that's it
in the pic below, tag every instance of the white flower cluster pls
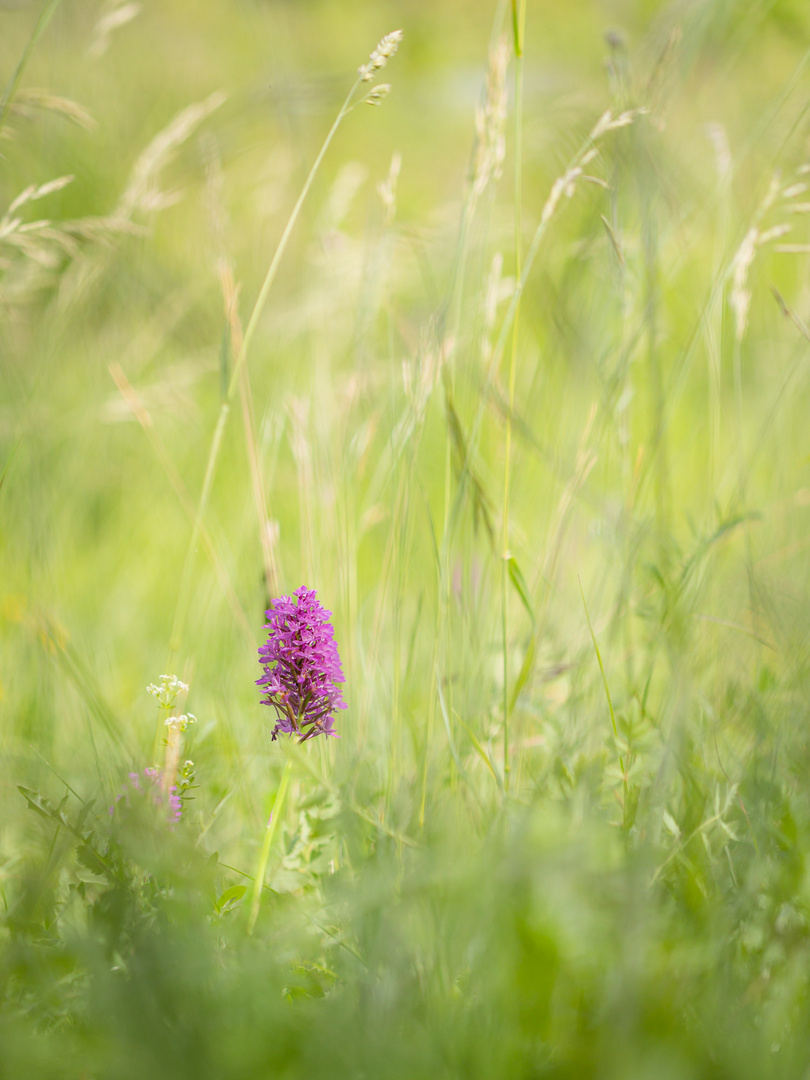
(381, 55)
(166, 693)
(180, 723)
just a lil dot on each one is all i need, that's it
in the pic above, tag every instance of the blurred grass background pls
(636, 904)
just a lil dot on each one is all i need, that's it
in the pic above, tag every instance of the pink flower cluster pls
(301, 666)
(149, 784)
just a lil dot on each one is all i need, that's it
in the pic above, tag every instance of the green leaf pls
(519, 583)
(82, 815)
(90, 859)
(43, 806)
(671, 824)
(230, 897)
(482, 753)
(601, 667)
(525, 670)
(447, 726)
(467, 473)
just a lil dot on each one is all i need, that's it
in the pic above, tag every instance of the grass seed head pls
(381, 55)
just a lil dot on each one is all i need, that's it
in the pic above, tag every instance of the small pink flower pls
(148, 784)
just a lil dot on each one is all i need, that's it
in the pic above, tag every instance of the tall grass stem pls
(45, 16)
(518, 23)
(250, 330)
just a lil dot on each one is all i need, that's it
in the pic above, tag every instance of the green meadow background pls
(527, 403)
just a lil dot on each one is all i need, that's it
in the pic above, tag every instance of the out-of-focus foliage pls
(564, 832)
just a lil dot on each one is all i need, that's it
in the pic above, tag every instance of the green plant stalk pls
(402, 510)
(269, 834)
(272, 270)
(445, 577)
(185, 588)
(432, 700)
(518, 22)
(607, 694)
(45, 17)
(506, 326)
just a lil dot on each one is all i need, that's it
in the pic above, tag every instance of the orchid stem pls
(270, 832)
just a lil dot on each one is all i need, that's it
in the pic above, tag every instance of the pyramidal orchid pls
(301, 666)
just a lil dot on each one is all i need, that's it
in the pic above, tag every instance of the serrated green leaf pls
(91, 859)
(42, 805)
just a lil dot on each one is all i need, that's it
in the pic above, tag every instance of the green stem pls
(42, 22)
(518, 20)
(258, 308)
(270, 832)
(609, 699)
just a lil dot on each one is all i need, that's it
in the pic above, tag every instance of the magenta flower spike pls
(301, 666)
